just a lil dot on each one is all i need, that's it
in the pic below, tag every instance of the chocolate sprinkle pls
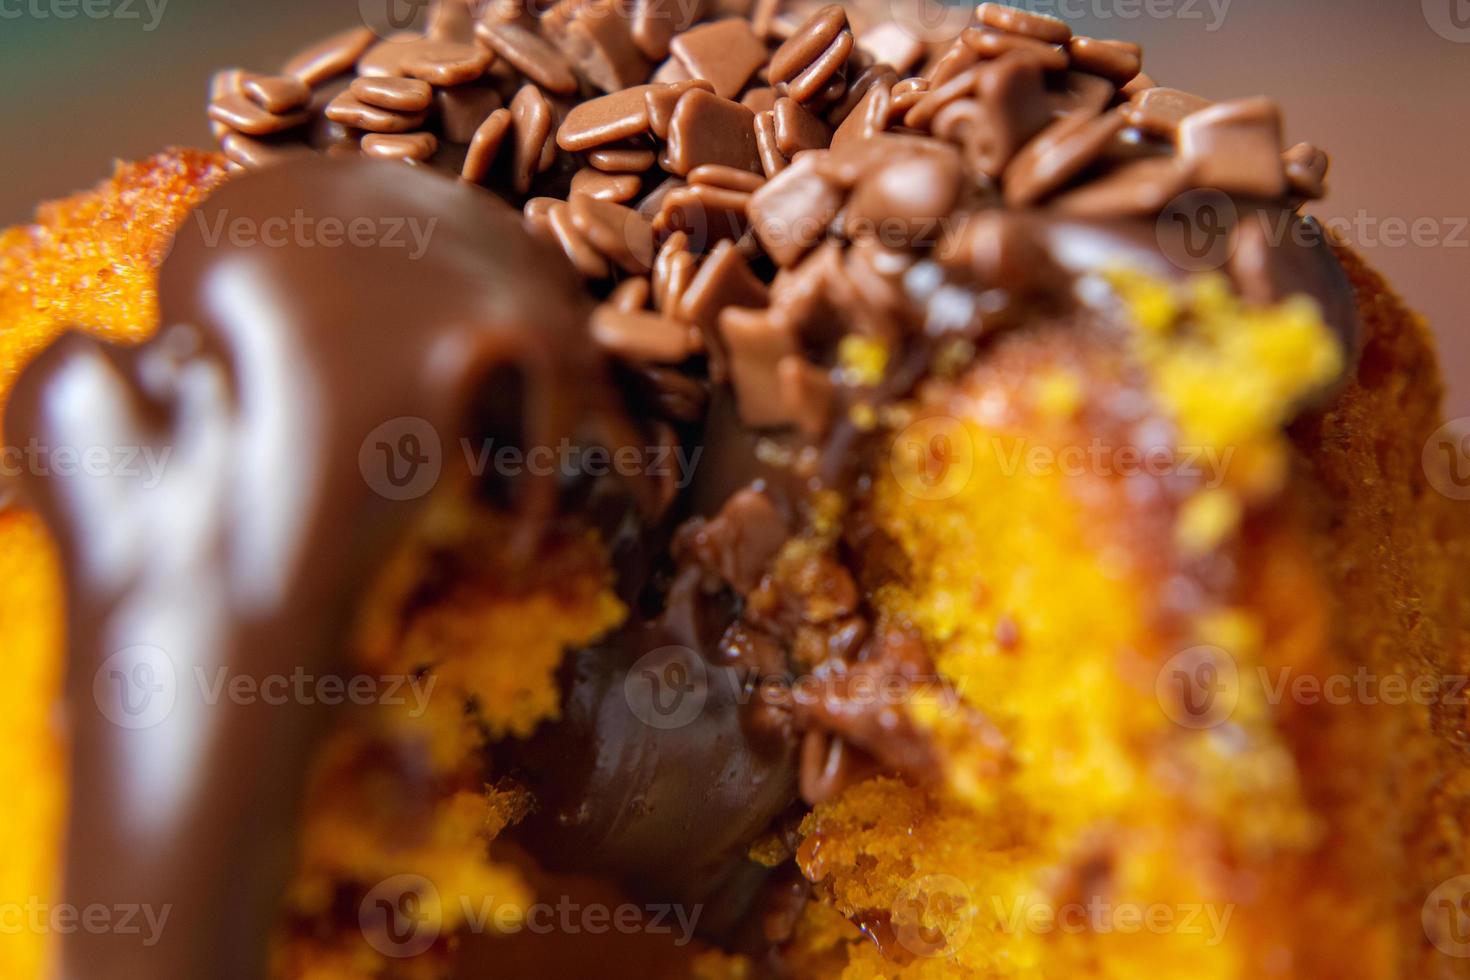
(741, 196)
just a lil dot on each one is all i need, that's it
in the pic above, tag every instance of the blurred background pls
(1382, 85)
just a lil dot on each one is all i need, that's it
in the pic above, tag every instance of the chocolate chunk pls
(669, 72)
(244, 115)
(618, 188)
(791, 213)
(1141, 83)
(740, 542)
(707, 214)
(276, 93)
(808, 44)
(988, 43)
(797, 129)
(598, 39)
(1013, 92)
(621, 160)
(253, 153)
(655, 22)
(906, 95)
(1060, 154)
(438, 62)
(668, 281)
(1306, 170)
(941, 94)
(485, 146)
(1083, 92)
(1116, 61)
(758, 100)
(394, 94)
(417, 147)
(1159, 111)
(349, 110)
(463, 108)
(955, 60)
(453, 20)
(331, 57)
(708, 129)
(537, 214)
(757, 341)
(222, 83)
(716, 175)
(531, 54)
(661, 101)
(857, 89)
(620, 233)
(725, 53)
(653, 200)
(1236, 147)
(631, 295)
(1143, 187)
(530, 116)
(1017, 21)
(724, 279)
(907, 195)
(868, 118)
(641, 336)
(823, 74)
(773, 161)
(847, 164)
(585, 258)
(1003, 250)
(607, 119)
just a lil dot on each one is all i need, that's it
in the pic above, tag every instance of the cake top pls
(780, 200)
(780, 224)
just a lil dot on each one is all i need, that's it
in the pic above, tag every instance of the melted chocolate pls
(274, 365)
(655, 775)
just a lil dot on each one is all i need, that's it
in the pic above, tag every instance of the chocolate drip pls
(277, 360)
(653, 776)
(658, 774)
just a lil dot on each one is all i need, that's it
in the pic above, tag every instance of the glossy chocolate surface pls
(275, 364)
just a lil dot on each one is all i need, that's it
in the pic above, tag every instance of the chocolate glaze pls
(273, 366)
(655, 775)
(669, 808)
(267, 399)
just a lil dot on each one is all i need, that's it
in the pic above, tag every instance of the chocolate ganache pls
(280, 352)
(682, 259)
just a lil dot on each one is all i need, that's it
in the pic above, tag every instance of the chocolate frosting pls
(303, 387)
(275, 364)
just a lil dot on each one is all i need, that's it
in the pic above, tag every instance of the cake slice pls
(957, 519)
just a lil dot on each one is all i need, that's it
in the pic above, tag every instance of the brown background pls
(1371, 81)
